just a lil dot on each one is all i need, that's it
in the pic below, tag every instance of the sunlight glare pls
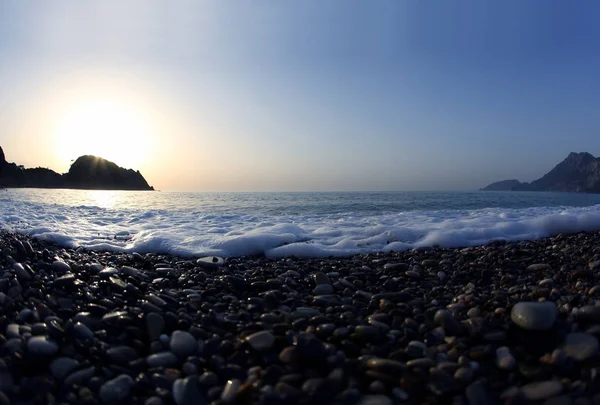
(104, 128)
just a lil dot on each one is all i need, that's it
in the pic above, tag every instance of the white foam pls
(188, 232)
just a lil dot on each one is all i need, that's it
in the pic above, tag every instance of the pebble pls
(537, 391)
(580, 346)
(504, 358)
(537, 316)
(321, 278)
(538, 267)
(41, 345)
(386, 366)
(230, 391)
(155, 325)
(210, 262)
(61, 267)
(323, 289)
(376, 400)
(261, 341)
(164, 359)
(62, 366)
(117, 389)
(187, 392)
(82, 332)
(183, 344)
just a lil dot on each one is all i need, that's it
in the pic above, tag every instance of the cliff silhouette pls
(87, 172)
(577, 173)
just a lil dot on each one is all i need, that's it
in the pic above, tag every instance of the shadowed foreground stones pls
(538, 316)
(469, 326)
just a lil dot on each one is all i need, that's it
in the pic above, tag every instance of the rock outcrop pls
(87, 172)
(578, 173)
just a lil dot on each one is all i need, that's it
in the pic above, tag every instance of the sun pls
(106, 128)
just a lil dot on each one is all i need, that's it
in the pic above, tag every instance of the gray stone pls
(210, 262)
(376, 400)
(117, 389)
(478, 394)
(187, 392)
(537, 391)
(155, 325)
(588, 313)
(21, 272)
(230, 391)
(538, 267)
(386, 366)
(580, 346)
(445, 319)
(304, 312)
(504, 358)
(538, 316)
(82, 332)
(80, 377)
(321, 278)
(61, 267)
(162, 359)
(41, 345)
(129, 271)
(62, 366)
(323, 289)
(261, 341)
(121, 354)
(183, 344)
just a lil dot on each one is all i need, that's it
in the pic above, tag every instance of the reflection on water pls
(103, 198)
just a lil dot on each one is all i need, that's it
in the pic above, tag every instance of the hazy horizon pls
(336, 96)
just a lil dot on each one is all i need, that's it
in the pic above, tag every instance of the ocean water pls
(290, 224)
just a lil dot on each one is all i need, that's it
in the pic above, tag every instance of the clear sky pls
(303, 95)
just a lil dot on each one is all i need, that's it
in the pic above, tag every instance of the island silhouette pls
(87, 172)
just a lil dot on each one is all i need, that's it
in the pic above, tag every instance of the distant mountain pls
(578, 173)
(504, 185)
(87, 172)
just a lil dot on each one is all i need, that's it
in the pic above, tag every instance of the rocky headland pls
(505, 323)
(578, 173)
(87, 172)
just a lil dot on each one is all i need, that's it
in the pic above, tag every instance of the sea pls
(303, 224)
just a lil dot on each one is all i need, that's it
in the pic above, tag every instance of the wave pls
(195, 233)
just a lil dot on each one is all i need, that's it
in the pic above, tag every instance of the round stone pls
(82, 332)
(261, 341)
(183, 344)
(163, 359)
(588, 313)
(504, 358)
(580, 346)
(42, 345)
(321, 278)
(323, 289)
(210, 262)
(62, 366)
(117, 389)
(538, 267)
(386, 366)
(60, 267)
(187, 392)
(21, 272)
(155, 325)
(541, 390)
(535, 316)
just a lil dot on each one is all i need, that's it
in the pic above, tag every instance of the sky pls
(302, 96)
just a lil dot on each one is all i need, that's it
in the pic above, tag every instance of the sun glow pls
(105, 128)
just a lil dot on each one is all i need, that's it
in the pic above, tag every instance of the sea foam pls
(195, 233)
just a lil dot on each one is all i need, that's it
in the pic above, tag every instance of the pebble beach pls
(505, 323)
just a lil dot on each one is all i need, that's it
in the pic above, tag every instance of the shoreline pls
(427, 325)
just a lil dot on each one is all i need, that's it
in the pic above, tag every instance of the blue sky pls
(334, 95)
